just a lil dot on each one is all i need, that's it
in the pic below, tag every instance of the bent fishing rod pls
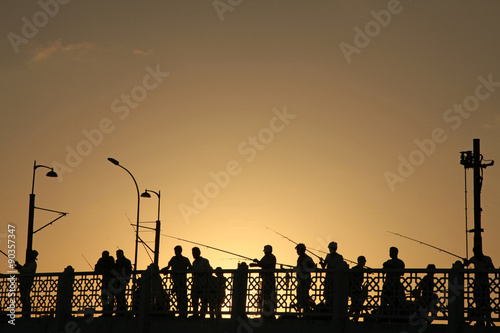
(217, 249)
(314, 254)
(429, 245)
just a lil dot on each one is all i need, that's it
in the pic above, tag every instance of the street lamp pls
(115, 162)
(158, 225)
(31, 214)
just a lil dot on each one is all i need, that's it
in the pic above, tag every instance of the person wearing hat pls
(26, 279)
(305, 265)
(332, 261)
(268, 265)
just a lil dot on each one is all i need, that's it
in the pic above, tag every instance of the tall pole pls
(158, 226)
(115, 162)
(478, 242)
(473, 159)
(157, 235)
(31, 211)
(31, 215)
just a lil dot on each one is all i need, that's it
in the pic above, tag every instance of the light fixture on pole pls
(31, 213)
(158, 226)
(115, 162)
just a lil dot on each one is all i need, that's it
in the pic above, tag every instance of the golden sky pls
(325, 121)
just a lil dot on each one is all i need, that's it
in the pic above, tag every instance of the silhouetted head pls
(301, 249)
(431, 268)
(119, 254)
(477, 252)
(393, 252)
(268, 249)
(105, 254)
(178, 250)
(33, 255)
(332, 247)
(361, 260)
(218, 271)
(196, 252)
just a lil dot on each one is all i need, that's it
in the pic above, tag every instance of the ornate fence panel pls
(164, 298)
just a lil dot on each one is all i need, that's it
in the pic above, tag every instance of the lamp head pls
(112, 160)
(146, 194)
(51, 173)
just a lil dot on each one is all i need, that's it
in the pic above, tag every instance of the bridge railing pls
(454, 295)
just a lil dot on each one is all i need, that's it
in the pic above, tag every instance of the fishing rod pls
(92, 268)
(429, 245)
(216, 249)
(5, 254)
(314, 254)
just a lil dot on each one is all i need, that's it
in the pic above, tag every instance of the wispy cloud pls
(141, 52)
(57, 47)
(494, 123)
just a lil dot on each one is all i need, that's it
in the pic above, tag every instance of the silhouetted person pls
(393, 295)
(357, 292)
(200, 287)
(122, 272)
(332, 262)
(305, 265)
(481, 287)
(159, 298)
(424, 291)
(104, 266)
(26, 280)
(424, 294)
(217, 293)
(179, 265)
(268, 265)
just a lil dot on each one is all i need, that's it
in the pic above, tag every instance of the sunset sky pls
(322, 120)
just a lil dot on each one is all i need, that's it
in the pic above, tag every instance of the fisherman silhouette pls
(179, 265)
(481, 286)
(200, 288)
(217, 295)
(393, 295)
(122, 272)
(424, 294)
(357, 291)
(26, 280)
(332, 261)
(104, 266)
(159, 298)
(305, 265)
(268, 297)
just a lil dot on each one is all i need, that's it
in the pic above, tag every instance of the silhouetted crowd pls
(208, 286)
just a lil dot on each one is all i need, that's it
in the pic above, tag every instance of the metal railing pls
(241, 293)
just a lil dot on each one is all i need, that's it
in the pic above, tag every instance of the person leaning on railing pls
(26, 280)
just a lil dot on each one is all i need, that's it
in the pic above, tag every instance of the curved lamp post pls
(115, 162)
(31, 214)
(158, 225)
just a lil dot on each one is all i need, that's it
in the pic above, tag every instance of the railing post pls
(340, 298)
(144, 285)
(240, 291)
(64, 296)
(456, 297)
